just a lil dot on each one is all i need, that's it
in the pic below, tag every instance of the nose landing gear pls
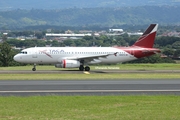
(34, 68)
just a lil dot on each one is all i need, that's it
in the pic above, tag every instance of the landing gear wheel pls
(33, 69)
(81, 68)
(87, 68)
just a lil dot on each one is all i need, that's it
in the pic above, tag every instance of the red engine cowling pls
(68, 64)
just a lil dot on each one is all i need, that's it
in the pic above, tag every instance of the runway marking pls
(86, 73)
(86, 91)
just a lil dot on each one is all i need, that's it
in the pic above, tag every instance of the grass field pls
(162, 66)
(90, 108)
(142, 107)
(95, 76)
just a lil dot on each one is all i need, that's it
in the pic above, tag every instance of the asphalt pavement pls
(90, 87)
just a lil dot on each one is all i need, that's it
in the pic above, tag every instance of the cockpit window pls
(23, 52)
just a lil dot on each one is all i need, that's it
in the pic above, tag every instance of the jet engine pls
(68, 64)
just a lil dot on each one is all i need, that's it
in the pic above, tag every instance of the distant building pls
(85, 31)
(5, 33)
(65, 36)
(135, 33)
(68, 32)
(171, 34)
(116, 30)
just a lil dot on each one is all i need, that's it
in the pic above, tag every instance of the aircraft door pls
(34, 54)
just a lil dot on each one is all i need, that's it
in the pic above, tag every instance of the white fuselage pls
(54, 55)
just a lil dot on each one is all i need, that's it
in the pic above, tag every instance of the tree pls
(176, 45)
(69, 42)
(4, 37)
(177, 53)
(6, 54)
(39, 35)
(168, 52)
(156, 58)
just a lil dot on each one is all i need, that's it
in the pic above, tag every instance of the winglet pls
(148, 37)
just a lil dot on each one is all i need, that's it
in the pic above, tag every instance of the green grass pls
(162, 66)
(90, 108)
(96, 76)
(93, 75)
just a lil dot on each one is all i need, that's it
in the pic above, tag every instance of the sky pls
(61, 4)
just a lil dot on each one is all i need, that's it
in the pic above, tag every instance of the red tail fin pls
(148, 37)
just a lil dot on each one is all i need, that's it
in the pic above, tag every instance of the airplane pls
(78, 57)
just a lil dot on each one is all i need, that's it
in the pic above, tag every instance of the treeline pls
(161, 42)
(88, 41)
(105, 17)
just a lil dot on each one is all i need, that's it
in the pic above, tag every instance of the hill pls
(90, 16)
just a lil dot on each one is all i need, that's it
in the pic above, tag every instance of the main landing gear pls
(82, 68)
(34, 68)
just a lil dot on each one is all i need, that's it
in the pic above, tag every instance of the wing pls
(92, 58)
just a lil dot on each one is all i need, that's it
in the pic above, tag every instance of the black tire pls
(87, 68)
(81, 68)
(33, 69)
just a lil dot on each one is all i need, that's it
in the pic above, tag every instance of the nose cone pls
(17, 58)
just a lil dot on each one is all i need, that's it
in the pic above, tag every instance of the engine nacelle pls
(68, 64)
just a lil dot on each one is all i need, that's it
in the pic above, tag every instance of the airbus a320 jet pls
(81, 57)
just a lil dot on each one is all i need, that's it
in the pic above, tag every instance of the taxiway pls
(89, 87)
